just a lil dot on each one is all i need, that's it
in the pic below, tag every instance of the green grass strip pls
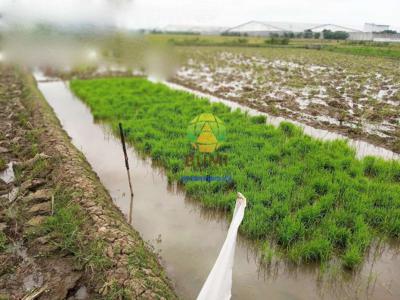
(315, 199)
(366, 51)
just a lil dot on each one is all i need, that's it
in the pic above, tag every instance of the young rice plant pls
(315, 199)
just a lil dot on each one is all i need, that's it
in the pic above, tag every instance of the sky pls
(160, 13)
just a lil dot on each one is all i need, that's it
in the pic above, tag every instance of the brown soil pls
(32, 263)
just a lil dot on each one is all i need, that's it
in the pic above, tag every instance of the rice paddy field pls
(195, 156)
(355, 95)
(308, 201)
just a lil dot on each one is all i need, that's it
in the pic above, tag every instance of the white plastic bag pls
(219, 282)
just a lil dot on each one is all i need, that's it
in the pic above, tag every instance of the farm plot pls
(356, 96)
(314, 199)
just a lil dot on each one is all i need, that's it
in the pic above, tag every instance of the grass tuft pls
(3, 241)
(66, 227)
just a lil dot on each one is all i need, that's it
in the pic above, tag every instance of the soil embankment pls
(61, 237)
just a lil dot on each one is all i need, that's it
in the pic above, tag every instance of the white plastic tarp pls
(219, 282)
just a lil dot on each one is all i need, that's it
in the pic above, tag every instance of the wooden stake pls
(121, 132)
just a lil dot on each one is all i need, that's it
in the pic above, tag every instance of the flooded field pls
(189, 237)
(362, 148)
(213, 151)
(355, 96)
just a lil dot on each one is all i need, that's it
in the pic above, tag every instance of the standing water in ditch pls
(189, 237)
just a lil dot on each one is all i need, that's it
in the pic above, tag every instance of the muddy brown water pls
(189, 237)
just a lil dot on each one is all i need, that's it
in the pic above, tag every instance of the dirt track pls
(54, 186)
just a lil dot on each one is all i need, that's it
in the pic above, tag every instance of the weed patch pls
(3, 164)
(3, 241)
(66, 227)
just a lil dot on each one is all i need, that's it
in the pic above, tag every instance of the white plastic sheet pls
(219, 282)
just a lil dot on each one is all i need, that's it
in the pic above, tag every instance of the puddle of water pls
(362, 148)
(188, 237)
(81, 293)
(12, 195)
(8, 174)
(41, 77)
(32, 281)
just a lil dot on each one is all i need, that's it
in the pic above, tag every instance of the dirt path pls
(60, 235)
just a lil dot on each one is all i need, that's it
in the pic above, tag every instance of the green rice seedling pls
(289, 130)
(314, 199)
(315, 250)
(352, 257)
(289, 231)
(337, 235)
(321, 185)
(257, 221)
(372, 167)
(259, 120)
(310, 215)
(267, 253)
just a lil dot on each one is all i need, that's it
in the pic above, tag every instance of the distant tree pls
(341, 35)
(308, 34)
(288, 35)
(389, 32)
(335, 35)
(327, 34)
(182, 32)
(317, 35)
(156, 31)
(230, 33)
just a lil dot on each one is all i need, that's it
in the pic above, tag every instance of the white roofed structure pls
(265, 28)
(372, 27)
(258, 28)
(255, 26)
(332, 27)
